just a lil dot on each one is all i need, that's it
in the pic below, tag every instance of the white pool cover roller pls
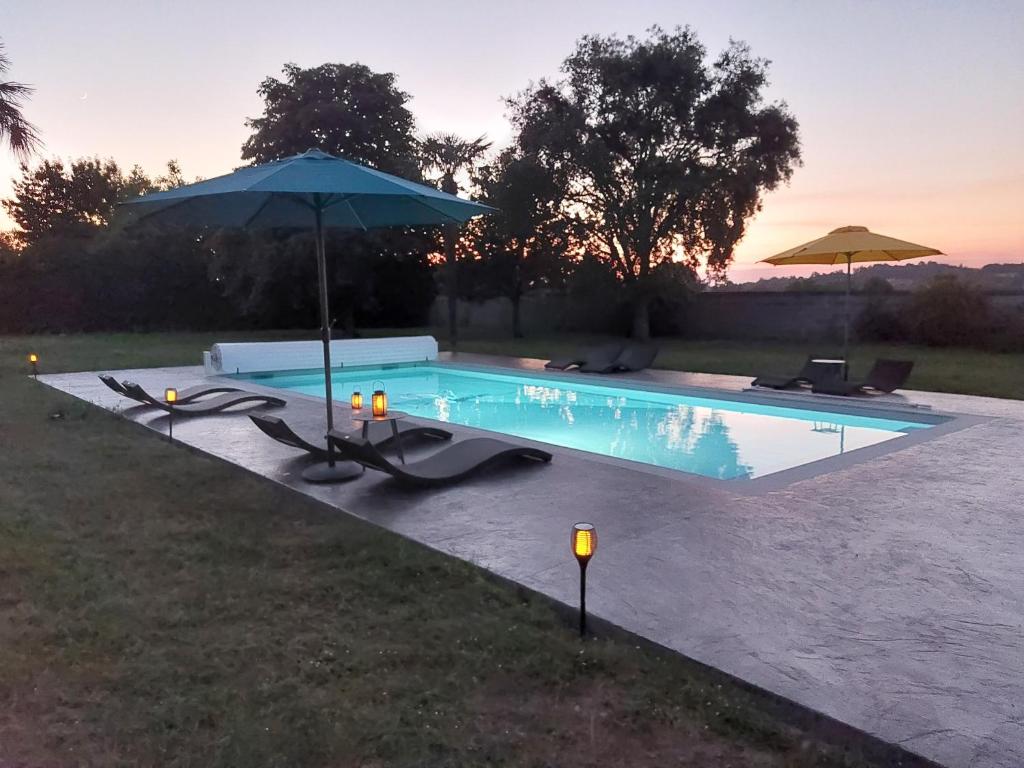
(264, 357)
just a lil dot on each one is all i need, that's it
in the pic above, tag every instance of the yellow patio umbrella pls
(845, 246)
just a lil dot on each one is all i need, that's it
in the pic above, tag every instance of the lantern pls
(170, 395)
(33, 360)
(357, 400)
(379, 403)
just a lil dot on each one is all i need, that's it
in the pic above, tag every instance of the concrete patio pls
(886, 592)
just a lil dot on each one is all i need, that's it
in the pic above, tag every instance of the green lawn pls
(964, 371)
(158, 607)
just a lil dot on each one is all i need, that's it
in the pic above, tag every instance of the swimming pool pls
(719, 438)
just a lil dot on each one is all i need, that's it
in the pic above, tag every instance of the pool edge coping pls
(941, 423)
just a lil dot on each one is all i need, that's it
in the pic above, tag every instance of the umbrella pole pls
(846, 323)
(332, 471)
(325, 325)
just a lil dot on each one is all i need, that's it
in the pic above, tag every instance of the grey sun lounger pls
(185, 396)
(633, 357)
(211, 405)
(884, 376)
(601, 355)
(380, 434)
(449, 465)
(809, 374)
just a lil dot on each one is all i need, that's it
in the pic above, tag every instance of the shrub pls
(880, 321)
(949, 312)
(1007, 334)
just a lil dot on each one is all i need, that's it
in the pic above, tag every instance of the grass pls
(962, 371)
(159, 607)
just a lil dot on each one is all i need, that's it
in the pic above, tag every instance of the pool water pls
(725, 439)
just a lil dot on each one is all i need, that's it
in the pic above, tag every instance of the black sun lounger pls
(212, 405)
(603, 354)
(633, 357)
(380, 434)
(184, 395)
(449, 465)
(884, 376)
(809, 374)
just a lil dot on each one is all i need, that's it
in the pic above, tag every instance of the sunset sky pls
(911, 113)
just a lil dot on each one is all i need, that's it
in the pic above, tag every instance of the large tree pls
(664, 153)
(448, 156)
(523, 245)
(19, 134)
(343, 109)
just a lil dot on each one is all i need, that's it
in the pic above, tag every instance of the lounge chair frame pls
(278, 429)
(599, 355)
(885, 376)
(211, 405)
(448, 465)
(632, 358)
(185, 396)
(810, 373)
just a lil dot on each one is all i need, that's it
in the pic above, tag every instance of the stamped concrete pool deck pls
(886, 592)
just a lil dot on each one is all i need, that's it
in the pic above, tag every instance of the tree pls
(68, 270)
(72, 200)
(21, 136)
(342, 109)
(449, 155)
(524, 243)
(663, 153)
(172, 178)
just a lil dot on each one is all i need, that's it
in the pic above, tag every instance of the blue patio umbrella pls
(313, 190)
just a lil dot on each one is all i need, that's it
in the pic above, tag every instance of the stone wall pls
(803, 316)
(800, 316)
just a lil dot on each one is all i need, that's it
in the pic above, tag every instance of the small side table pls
(837, 362)
(367, 418)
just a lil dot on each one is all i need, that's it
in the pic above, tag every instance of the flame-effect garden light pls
(33, 360)
(170, 397)
(584, 544)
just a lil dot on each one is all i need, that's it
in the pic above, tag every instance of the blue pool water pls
(724, 439)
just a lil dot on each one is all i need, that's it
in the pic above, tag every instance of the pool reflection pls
(714, 438)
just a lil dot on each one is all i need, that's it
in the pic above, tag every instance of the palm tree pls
(449, 155)
(21, 136)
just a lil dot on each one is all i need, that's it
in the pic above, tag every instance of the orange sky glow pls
(910, 111)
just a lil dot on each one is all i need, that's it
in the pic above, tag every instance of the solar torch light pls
(379, 402)
(584, 544)
(170, 397)
(33, 360)
(357, 400)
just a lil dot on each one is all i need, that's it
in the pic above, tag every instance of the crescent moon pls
(84, 96)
